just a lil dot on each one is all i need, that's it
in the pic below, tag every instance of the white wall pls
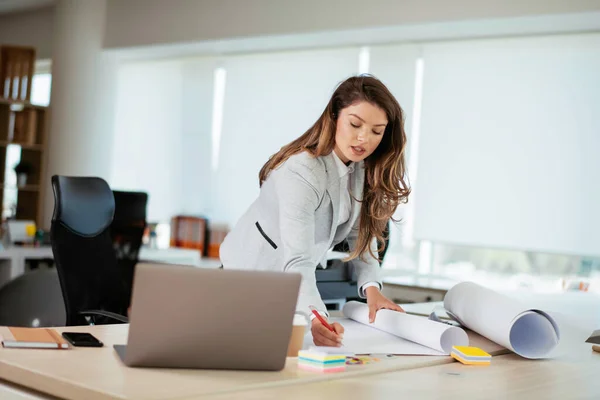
(162, 134)
(395, 65)
(196, 151)
(508, 153)
(179, 21)
(148, 135)
(33, 28)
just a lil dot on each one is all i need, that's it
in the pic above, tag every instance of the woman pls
(342, 179)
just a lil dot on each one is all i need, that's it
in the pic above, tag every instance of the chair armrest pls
(115, 316)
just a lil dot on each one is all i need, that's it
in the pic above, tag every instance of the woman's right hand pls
(324, 337)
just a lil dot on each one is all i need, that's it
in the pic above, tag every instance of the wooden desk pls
(508, 377)
(97, 373)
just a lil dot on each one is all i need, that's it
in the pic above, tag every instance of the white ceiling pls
(10, 6)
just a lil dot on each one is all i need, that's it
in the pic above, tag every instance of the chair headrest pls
(84, 205)
(130, 206)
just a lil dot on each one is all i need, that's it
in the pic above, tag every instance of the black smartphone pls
(82, 339)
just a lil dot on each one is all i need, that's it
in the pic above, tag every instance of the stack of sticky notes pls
(320, 361)
(470, 355)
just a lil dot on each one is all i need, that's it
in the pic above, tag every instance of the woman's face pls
(359, 131)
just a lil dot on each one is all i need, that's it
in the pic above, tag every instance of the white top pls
(345, 199)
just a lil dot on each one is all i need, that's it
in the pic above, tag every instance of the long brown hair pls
(385, 172)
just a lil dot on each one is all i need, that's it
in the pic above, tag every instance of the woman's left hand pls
(377, 301)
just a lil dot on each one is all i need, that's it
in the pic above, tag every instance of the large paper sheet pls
(397, 333)
(531, 333)
(362, 339)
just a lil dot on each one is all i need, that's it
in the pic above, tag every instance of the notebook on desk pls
(33, 338)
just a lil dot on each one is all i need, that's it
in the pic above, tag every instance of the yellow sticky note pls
(467, 351)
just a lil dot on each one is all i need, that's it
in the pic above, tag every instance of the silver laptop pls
(185, 317)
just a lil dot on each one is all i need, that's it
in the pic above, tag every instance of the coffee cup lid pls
(299, 319)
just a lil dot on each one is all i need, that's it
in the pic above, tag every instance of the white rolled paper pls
(435, 335)
(530, 333)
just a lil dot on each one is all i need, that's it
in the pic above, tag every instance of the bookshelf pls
(22, 131)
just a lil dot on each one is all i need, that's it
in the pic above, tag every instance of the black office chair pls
(386, 243)
(345, 248)
(339, 280)
(85, 259)
(127, 230)
(33, 299)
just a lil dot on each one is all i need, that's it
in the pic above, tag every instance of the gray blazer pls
(293, 223)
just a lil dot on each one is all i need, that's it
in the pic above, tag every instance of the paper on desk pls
(531, 333)
(362, 339)
(398, 333)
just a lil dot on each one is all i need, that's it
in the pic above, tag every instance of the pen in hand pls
(336, 329)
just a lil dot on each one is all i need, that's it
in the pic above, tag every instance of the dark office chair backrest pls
(127, 231)
(83, 249)
(33, 299)
(344, 247)
(386, 243)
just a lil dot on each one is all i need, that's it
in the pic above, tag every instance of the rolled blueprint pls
(531, 333)
(435, 335)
